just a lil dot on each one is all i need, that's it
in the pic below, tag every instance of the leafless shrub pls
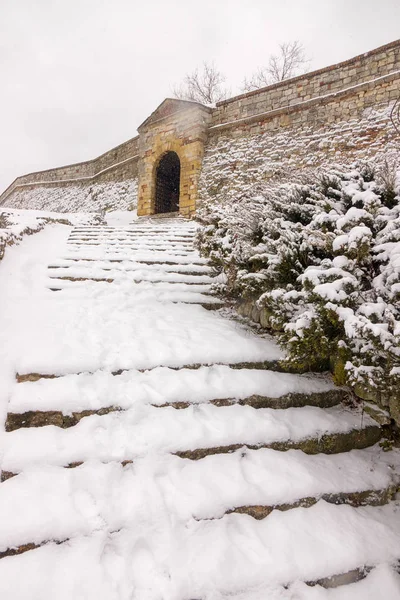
(205, 85)
(388, 179)
(290, 61)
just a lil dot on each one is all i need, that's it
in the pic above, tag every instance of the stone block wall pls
(118, 164)
(339, 129)
(360, 69)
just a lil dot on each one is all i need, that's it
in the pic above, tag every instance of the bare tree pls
(204, 85)
(290, 61)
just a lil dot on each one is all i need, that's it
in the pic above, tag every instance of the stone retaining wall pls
(344, 127)
(118, 164)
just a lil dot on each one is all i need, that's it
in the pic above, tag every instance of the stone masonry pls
(177, 126)
(341, 112)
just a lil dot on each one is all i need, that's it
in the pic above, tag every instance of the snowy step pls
(180, 387)
(136, 274)
(254, 483)
(137, 241)
(145, 239)
(167, 231)
(147, 333)
(144, 284)
(163, 292)
(113, 247)
(124, 247)
(41, 418)
(132, 265)
(193, 433)
(269, 365)
(144, 257)
(128, 235)
(140, 243)
(299, 545)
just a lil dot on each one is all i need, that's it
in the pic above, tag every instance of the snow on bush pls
(321, 259)
(15, 224)
(77, 198)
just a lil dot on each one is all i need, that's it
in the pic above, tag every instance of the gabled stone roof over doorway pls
(169, 107)
(176, 126)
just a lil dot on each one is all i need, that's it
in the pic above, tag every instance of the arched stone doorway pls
(168, 176)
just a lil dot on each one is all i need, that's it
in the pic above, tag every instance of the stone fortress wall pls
(358, 70)
(117, 164)
(337, 113)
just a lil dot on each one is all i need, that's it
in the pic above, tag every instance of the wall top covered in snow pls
(338, 97)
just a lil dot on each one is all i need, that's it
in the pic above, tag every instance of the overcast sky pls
(79, 76)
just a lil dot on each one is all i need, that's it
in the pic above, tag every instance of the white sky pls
(78, 76)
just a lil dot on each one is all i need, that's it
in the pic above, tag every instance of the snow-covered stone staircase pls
(155, 255)
(154, 451)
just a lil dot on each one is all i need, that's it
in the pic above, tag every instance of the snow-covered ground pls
(115, 313)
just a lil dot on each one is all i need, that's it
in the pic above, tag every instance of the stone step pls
(142, 231)
(40, 418)
(183, 235)
(137, 274)
(254, 483)
(354, 499)
(132, 265)
(119, 247)
(171, 248)
(162, 244)
(332, 443)
(132, 244)
(192, 286)
(6, 475)
(271, 365)
(310, 557)
(134, 238)
(193, 434)
(145, 260)
(173, 386)
(210, 306)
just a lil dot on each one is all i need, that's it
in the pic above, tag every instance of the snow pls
(204, 489)
(98, 326)
(158, 527)
(74, 196)
(204, 559)
(141, 429)
(158, 386)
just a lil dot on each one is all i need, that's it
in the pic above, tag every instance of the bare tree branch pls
(288, 62)
(204, 85)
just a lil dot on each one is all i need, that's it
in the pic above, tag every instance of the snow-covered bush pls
(321, 261)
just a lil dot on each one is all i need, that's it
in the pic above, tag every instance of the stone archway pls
(167, 184)
(176, 128)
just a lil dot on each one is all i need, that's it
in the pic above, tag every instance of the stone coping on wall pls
(298, 78)
(307, 103)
